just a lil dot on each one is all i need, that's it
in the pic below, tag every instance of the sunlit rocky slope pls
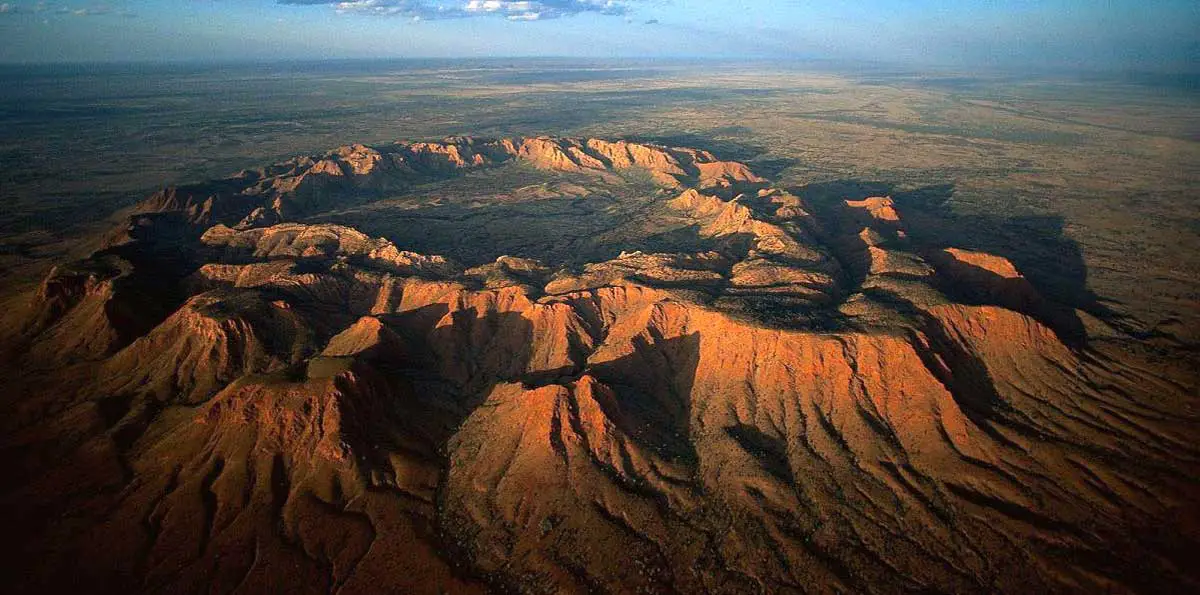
(565, 365)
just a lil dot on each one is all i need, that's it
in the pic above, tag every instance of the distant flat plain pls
(1089, 184)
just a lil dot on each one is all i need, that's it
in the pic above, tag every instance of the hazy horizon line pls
(879, 65)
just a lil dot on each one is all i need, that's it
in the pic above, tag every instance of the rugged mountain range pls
(638, 369)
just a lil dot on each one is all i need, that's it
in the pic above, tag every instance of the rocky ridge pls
(810, 402)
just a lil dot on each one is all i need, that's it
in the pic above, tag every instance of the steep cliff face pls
(800, 403)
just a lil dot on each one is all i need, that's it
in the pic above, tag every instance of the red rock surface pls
(797, 407)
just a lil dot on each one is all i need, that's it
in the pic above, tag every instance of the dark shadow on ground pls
(757, 157)
(652, 387)
(1037, 245)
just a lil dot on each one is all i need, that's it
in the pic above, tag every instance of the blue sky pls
(1090, 34)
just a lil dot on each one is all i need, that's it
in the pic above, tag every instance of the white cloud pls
(513, 10)
(485, 5)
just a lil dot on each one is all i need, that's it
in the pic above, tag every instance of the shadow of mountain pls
(770, 451)
(446, 373)
(653, 387)
(1036, 244)
(651, 390)
(452, 368)
(757, 157)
